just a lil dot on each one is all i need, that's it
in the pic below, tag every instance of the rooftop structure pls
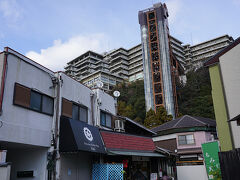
(159, 84)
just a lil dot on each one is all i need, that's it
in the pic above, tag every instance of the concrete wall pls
(28, 160)
(79, 93)
(76, 166)
(197, 172)
(104, 102)
(107, 102)
(22, 125)
(220, 109)
(76, 92)
(230, 70)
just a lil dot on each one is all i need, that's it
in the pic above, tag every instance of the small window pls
(67, 108)
(103, 119)
(83, 114)
(75, 112)
(31, 99)
(47, 105)
(106, 119)
(79, 113)
(35, 102)
(186, 139)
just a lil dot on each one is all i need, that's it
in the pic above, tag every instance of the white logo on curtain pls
(88, 134)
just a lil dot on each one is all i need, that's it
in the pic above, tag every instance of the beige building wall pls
(230, 71)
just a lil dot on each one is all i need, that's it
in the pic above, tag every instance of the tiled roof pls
(186, 121)
(215, 59)
(120, 141)
(137, 124)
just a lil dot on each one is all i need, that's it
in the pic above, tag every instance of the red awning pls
(120, 141)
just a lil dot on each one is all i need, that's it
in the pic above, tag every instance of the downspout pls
(57, 127)
(92, 107)
(53, 150)
(3, 78)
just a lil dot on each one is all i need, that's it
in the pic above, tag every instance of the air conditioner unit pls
(119, 126)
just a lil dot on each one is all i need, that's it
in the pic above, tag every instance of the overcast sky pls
(54, 32)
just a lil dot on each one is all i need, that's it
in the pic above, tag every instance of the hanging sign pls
(210, 152)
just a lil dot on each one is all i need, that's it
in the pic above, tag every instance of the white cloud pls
(56, 56)
(174, 7)
(10, 9)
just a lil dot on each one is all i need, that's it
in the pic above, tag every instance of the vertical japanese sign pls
(211, 159)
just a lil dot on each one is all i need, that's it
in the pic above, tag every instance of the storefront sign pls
(76, 135)
(211, 159)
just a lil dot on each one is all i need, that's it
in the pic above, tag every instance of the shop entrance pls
(140, 168)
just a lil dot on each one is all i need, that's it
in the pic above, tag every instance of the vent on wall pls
(119, 126)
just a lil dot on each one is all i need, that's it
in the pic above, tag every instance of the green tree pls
(194, 98)
(131, 102)
(128, 112)
(155, 119)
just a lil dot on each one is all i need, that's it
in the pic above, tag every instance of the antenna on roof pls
(116, 94)
(99, 84)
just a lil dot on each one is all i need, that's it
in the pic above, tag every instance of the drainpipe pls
(92, 107)
(3, 78)
(54, 155)
(98, 104)
(57, 127)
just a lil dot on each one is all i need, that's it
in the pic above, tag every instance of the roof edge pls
(215, 59)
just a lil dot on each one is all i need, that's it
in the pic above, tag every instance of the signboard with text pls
(210, 152)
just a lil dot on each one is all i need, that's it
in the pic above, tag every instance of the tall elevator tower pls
(159, 80)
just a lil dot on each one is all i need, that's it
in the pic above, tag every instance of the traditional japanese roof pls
(133, 127)
(215, 59)
(185, 121)
(126, 142)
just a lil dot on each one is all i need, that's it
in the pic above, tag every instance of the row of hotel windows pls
(36, 101)
(210, 48)
(209, 43)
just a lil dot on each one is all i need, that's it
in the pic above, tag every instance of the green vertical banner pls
(210, 152)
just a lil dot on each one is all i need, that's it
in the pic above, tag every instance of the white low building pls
(34, 102)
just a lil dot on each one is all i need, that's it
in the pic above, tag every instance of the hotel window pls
(31, 99)
(106, 119)
(186, 139)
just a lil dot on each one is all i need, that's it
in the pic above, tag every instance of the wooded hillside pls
(193, 99)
